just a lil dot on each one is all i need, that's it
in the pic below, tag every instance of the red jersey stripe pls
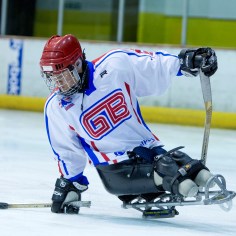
(106, 158)
(128, 90)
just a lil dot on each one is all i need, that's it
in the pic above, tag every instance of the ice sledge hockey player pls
(93, 113)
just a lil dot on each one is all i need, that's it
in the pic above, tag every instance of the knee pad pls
(173, 178)
(166, 166)
(180, 174)
(167, 174)
(197, 171)
(192, 166)
(165, 169)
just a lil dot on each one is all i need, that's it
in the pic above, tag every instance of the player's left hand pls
(191, 60)
(208, 62)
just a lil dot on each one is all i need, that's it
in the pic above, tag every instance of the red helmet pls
(59, 52)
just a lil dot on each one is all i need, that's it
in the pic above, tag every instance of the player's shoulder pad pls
(112, 53)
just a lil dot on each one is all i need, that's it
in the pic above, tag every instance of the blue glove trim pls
(80, 178)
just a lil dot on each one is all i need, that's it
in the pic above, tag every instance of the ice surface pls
(28, 172)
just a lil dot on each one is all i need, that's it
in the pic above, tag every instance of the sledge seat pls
(128, 178)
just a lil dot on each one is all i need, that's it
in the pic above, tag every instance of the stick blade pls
(81, 203)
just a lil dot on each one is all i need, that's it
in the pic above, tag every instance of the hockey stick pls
(207, 97)
(4, 205)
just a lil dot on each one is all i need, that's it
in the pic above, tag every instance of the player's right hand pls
(64, 193)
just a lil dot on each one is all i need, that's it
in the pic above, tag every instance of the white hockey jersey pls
(105, 122)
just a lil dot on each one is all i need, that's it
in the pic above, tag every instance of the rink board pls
(150, 113)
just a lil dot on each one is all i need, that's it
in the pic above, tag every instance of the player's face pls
(65, 80)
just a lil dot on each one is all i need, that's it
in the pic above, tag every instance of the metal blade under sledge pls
(164, 205)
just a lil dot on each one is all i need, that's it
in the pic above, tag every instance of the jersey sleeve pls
(65, 144)
(153, 71)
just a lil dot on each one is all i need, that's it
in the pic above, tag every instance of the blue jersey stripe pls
(128, 53)
(64, 166)
(171, 55)
(165, 54)
(141, 117)
(48, 134)
(47, 126)
(137, 55)
(89, 151)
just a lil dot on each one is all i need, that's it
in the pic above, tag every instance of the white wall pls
(184, 93)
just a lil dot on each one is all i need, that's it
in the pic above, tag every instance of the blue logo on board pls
(15, 67)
